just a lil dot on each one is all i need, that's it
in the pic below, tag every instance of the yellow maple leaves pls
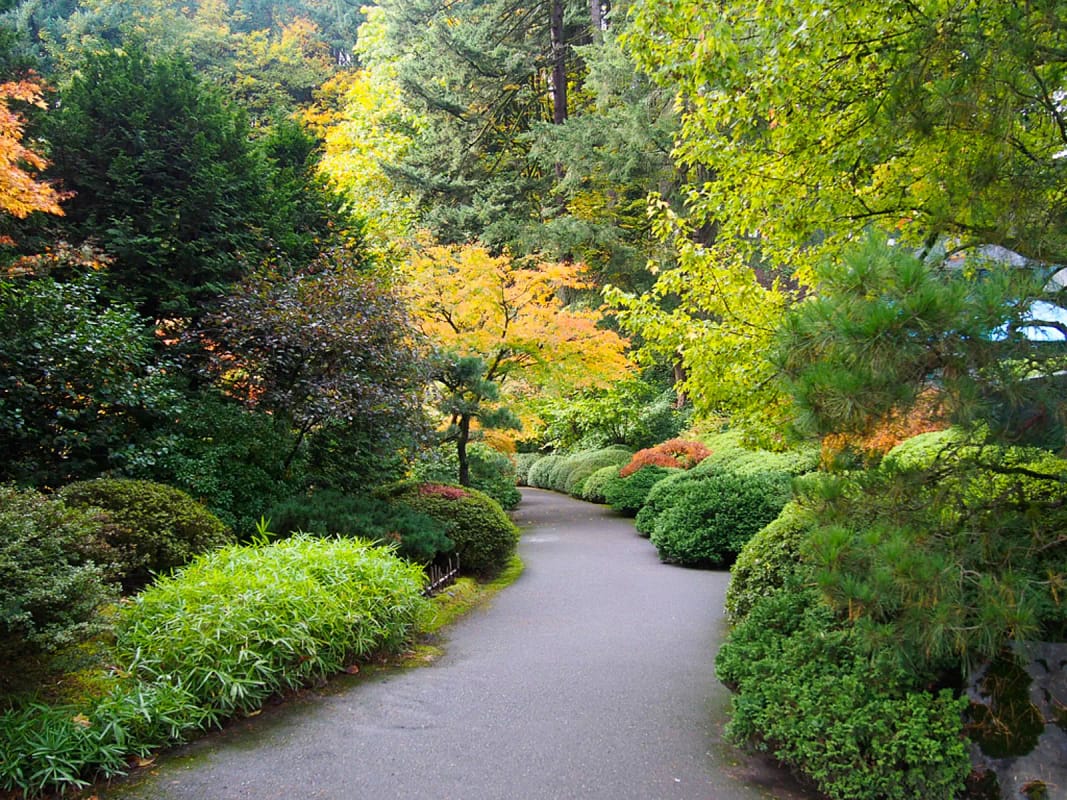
(20, 192)
(521, 317)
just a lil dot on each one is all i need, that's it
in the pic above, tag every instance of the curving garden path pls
(590, 677)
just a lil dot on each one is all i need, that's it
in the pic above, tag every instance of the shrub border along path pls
(590, 677)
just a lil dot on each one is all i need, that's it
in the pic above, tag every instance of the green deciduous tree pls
(806, 122)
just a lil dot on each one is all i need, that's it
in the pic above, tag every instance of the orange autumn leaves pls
(20, 192)
(520, 317)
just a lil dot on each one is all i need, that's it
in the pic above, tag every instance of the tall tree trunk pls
(597, 11)
(559, 64)
(461, 450)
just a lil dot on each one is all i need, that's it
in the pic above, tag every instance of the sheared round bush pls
(484, 537)
(627, 495)
(593, 487)
(679, 453)
(153, 527)
(660, 497)
(417, 537)
(767, 561)
(579, 466)
(243, 623)
(741, 461)
(523, 463)
(856, 726)
(49, 590)
(709, 521)
(540, 474)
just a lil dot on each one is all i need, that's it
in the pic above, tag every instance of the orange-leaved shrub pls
(676, 453)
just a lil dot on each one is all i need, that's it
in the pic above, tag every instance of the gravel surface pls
(590, 677)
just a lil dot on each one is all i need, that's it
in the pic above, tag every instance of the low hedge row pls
(568, 473)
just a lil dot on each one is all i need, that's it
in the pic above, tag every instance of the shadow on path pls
(590, 677)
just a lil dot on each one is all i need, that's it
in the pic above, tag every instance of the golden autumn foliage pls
(20, 192)
(514, 315)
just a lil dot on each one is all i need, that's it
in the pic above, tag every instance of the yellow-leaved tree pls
(20, 192)
(502, 329)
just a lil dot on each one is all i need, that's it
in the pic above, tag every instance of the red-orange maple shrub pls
(677, 453)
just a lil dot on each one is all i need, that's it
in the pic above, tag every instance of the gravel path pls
(590, 677)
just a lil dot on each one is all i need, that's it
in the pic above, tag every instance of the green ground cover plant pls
(853, 724)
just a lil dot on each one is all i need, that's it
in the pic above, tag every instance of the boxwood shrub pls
(707, 522)
(416, 536)
(243, 623)
(854, 725)
(152, 527)
(593, 487)
(541, 471)
(523, 463)
(579, 466)
(484, 537)
(627, 495)
(767, 561)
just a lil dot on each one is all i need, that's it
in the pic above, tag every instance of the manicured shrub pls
(709, 521)
(417, 537)
(660, 497)
(154, 528)
(854, 725)
(679, 453)
(490, 471)
(767, 561)
(523, 463)
(484, 537)
(243, 623)
(541, 471)
(627, 495)
(742, 461)
(593, 488)
(49, 590)
(580, 466)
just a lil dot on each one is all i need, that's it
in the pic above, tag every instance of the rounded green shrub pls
(243, 623)
(417, 537)
(484, 537)
(523, 463)
(49, 589)
(154, 528)
(709, 521)
(579, 466)
(855, 726)
(659, 499)
(767, 561)
(540, 474)
(593, 487)
(627, 495)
